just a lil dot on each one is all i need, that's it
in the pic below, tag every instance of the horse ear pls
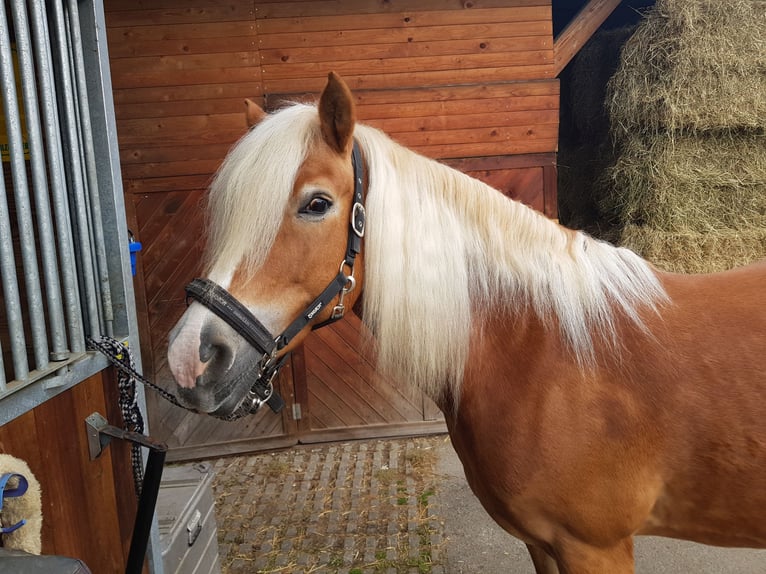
(254, 113)
(336, 114)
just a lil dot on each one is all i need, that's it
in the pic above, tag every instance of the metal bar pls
(145, 511)
(58, 183)
(36, 319)
(3, 385)
(92, 189)
(10, 284)
(78, 202)
(40, 186)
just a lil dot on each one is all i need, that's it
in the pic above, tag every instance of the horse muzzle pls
(217, 372)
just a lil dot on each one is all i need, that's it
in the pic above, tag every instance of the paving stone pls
(353, 506)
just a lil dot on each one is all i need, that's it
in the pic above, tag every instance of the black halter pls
(223, 304)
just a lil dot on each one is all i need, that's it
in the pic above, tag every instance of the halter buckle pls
(358, 219)
(256, 402)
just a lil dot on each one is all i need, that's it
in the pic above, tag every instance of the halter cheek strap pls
(239, 318)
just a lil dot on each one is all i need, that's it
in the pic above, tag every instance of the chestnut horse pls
(589, 396)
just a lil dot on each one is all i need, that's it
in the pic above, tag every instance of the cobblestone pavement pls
(352, 508)
(392, 507)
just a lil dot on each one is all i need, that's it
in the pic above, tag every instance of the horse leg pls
(574, 557)
(544, 563)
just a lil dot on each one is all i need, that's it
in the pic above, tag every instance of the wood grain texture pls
(579, 30)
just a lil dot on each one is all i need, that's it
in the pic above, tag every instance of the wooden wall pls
(471, 83)
(88, 505)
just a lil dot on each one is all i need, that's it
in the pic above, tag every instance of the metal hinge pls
(296, 411)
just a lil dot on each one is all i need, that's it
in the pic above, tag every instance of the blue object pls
(134, 247)
(18, 490)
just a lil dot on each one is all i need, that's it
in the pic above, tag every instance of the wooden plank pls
(402, 395)
(168, 154)
(300, 386)
(130, 5)
(424, 77)
(161, 109)
(502, 162)
(285, 388)
(51, 418)
(167, 300)
(444, 100)
(387, 50)
(362, 378)
(392, 67)
(401, 18)
(580, 29)
(375, 431)
(100, 500)
(369, 7)
(170, 168)
(123, 46)
(184, 126)
(484, 135)
(169, 274)
(550, 191)
(514, 109)
(239, 446)
(179, 103)
(338, 382)
(145, 65)
(171, 229)
(187, 13)
(148, 32)
(197, 429)
(354, 37)
(433, 123)
(137, 78)
(328, 405)
(188, 93)
(164, 184)
(484, 149)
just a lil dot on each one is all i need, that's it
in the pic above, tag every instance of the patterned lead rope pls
(121, 357)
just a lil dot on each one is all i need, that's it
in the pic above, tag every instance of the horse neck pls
(445, 251)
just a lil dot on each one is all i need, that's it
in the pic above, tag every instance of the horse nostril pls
(207, 352)
(214, 349)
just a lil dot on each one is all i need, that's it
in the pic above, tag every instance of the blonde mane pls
(441, 250)
(239, 209)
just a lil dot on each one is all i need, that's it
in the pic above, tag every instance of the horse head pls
(282, 244)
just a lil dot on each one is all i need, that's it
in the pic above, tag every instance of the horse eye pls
(317, 206)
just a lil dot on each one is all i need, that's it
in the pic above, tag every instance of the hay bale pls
(693, 65)
(688, 183)
(693, 252)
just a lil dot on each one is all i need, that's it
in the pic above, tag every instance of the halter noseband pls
(239, 318)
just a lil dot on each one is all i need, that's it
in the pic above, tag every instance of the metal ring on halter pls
(340, 309)
(350, 281)
(255, 401)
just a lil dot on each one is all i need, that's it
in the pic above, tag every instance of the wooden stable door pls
(339, 395)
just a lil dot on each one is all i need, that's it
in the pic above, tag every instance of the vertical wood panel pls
(84, 513)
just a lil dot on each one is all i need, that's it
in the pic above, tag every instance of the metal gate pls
(63, 241)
